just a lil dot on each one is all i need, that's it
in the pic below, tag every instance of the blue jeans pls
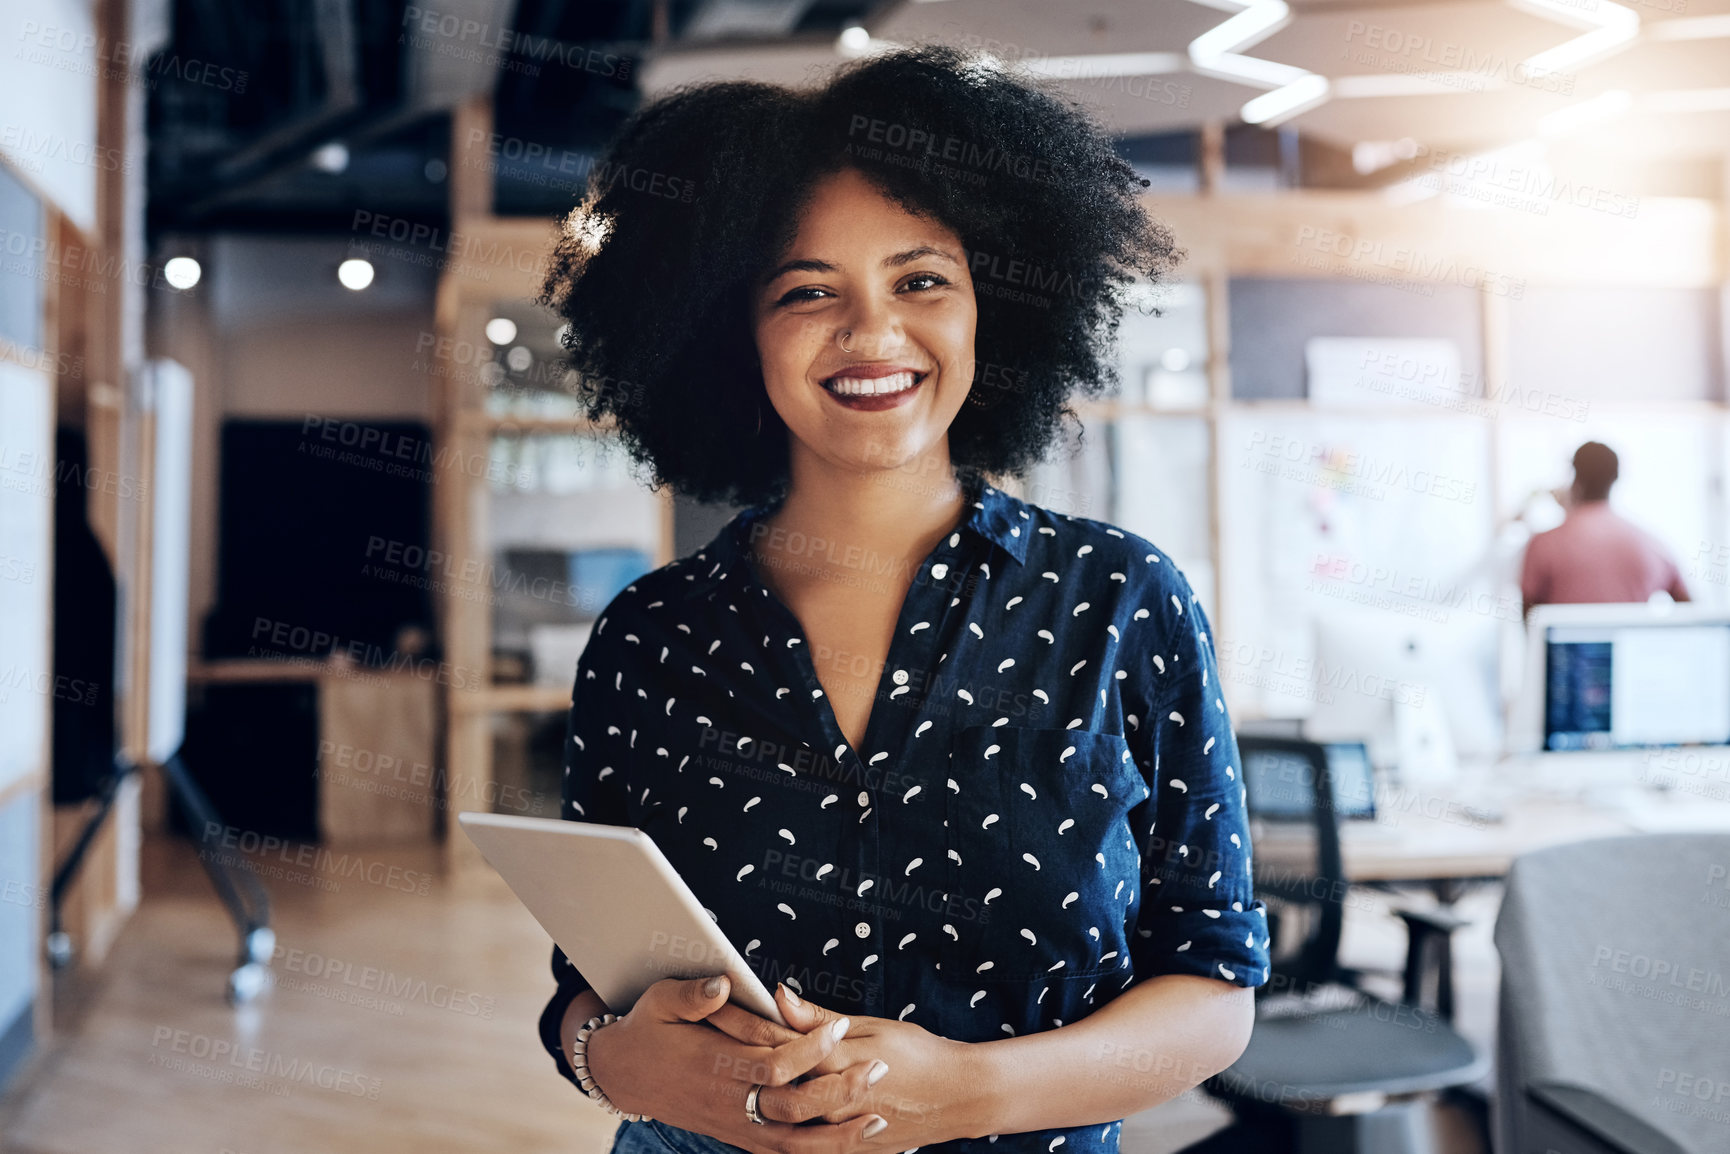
(652, 1137)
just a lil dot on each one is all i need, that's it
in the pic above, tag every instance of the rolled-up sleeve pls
(599, 735)
(1198, 912)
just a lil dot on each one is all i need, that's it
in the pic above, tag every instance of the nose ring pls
(843, 340)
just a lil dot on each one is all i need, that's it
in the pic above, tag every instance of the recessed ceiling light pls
(332, 157)
(355, 273)
(501, 330)
(182, 272)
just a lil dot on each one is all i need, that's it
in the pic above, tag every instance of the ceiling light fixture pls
(182, 272)
(853, 41)
(1258, 20)
(332, 157)
(1374, 155)
(1385, 84)
(1611, 26)
(1104, 65)
(1218, 52)
(355, 273)
(1280, 105)
(1687, 100)
(1450, 172)
(1690, 28)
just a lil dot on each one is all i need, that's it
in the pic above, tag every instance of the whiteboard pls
(26, 569)
(1362, 526)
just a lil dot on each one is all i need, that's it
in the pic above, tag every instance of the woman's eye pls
(923, 282)
(801, 295)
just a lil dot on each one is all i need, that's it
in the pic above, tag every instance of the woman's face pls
(894, 288)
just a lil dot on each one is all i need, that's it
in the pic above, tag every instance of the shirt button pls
(939, 571)
(900, 677)
(864, 799)
(862, 930)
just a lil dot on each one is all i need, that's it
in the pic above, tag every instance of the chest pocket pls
(1042, 863)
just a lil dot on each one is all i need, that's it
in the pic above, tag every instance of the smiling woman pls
(951, 768)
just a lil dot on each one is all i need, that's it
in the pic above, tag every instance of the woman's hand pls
(924, 1088)
(666, 1060)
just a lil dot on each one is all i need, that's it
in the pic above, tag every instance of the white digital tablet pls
(611, 900)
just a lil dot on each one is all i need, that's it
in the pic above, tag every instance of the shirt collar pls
(1002, 520)
(994, 517)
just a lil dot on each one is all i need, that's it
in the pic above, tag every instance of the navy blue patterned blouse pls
(1047, 806)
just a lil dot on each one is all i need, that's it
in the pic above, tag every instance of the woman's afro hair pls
(701, 192)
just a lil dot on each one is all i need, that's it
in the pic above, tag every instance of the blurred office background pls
(297, 501)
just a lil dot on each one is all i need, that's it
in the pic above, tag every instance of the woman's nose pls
(875, 333)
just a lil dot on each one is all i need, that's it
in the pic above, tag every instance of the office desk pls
(1434, 836)
(375, 773)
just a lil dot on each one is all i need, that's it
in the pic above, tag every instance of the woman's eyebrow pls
(805, 265)
(919, 253)
(811, 264)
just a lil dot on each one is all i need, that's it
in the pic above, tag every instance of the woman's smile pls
(872, 388)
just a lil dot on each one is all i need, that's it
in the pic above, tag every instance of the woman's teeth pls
(872, 386)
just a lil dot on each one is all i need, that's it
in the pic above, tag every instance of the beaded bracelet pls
(580, 1064)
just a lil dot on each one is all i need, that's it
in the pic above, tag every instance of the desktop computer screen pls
(1280, 786)
(1627, 685)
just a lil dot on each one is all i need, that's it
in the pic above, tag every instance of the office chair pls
(1614, 1013)
(1330, 1068)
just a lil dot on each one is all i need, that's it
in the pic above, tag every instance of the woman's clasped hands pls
(830, 1084)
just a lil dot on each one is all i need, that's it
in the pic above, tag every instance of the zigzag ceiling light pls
(1608, 28)
(1219, 52)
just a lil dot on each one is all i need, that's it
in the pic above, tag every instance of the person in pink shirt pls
(1595, 555)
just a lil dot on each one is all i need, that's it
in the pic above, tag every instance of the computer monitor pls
(1393, 680)
(1280, 789)
(1620, 677)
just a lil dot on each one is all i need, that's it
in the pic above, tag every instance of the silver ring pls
(751, 1110)
(842, 340)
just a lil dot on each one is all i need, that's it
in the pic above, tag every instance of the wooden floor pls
(151, 1060)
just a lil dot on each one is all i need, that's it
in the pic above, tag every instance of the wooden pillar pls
(460, 494)
(1211, 166)
(1211, 162)
(471, 168)
(1217, 302)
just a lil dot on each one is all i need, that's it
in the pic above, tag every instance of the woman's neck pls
(899, 512)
